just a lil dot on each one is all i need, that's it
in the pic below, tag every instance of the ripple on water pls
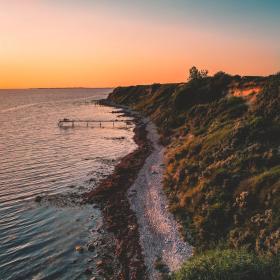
(36, 157)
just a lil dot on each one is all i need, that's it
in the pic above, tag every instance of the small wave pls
(17, 107)
(44, 172)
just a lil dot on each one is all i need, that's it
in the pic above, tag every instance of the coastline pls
(163, 247)
(148, 243)
(118, 217)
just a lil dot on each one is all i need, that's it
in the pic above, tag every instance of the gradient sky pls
(99, 43)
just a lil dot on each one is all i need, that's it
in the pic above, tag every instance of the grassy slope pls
(222, 163)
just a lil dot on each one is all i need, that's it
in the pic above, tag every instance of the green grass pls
(270, 175)
(228, 264)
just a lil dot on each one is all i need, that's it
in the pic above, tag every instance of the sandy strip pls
(159, 235)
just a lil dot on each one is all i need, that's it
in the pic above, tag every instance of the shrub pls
(228, 264)
(195, 74)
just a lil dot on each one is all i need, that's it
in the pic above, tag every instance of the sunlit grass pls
(228, 264)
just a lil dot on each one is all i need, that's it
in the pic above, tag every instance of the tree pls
(195, 74)
(203, 73)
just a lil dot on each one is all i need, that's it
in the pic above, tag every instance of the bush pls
(195, 74)
(228, 264)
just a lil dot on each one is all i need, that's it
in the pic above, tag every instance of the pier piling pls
(72, 123)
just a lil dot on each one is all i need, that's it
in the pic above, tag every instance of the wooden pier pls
(91, 123)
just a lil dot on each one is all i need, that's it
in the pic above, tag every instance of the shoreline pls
(118, 217)
(135, 208)
(163, 246)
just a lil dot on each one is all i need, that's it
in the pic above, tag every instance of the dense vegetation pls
(222, 163)
(229, 264)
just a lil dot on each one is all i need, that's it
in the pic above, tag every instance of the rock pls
(79, 248)
(88, 271)
(132, 227)
(91, 247)
(38, 198)
(99, 263)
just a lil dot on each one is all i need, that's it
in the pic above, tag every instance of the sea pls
(39, 240)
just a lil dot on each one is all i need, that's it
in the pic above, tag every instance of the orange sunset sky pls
(109, 43)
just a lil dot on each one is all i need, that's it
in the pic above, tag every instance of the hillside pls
(222, 172)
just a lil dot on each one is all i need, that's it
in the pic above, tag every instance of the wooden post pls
(87, 124)
(72, 123)
(100, 124)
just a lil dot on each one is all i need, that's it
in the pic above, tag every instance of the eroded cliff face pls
(222, 173)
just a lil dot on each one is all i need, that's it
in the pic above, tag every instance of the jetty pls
(93, 123)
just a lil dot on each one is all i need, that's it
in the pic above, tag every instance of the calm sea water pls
(37, 241)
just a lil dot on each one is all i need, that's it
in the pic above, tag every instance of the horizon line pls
(57, 88)
(136, 84)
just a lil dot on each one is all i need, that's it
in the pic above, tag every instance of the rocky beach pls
(119, 219)
(163, 247)
(135, 209)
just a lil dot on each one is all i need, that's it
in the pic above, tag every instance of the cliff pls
(222, 174)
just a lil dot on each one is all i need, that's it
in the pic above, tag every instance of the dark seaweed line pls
(119, 219)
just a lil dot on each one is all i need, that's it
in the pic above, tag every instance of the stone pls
(88, 271)
(38, 198)
(91, 247)
(79, 248)
(99, 263)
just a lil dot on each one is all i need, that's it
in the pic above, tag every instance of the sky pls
(107, 43)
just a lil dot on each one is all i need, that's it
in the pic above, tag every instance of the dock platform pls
(93, 123)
